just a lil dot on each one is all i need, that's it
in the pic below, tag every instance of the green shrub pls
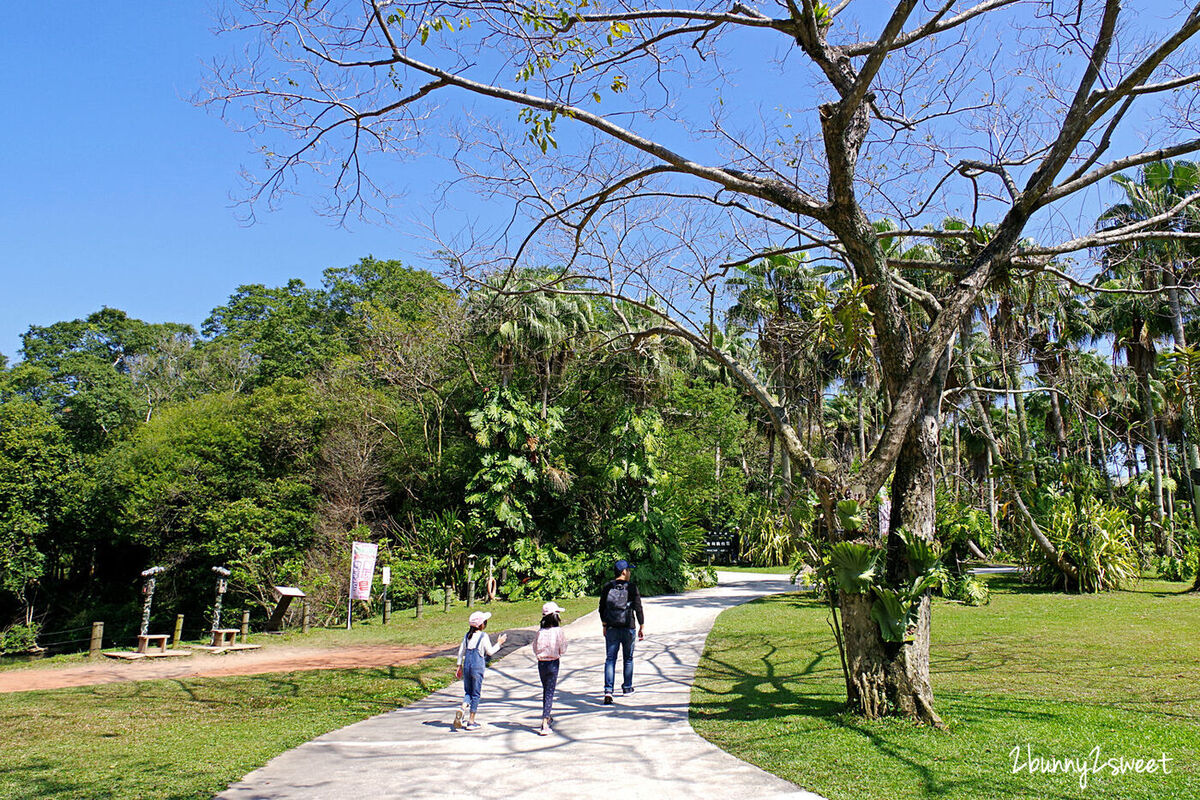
(958, 524)
(1091, 535)
(772, 539)
(19, 638)
(966, 589)
(701, 577)
(1171, 568)
(661, 546)
(545, 573)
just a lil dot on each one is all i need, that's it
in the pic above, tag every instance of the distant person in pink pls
(548, 645)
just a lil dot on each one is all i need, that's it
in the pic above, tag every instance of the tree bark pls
(865, 657)
(887, 677)
(770, 462)
(862, 428)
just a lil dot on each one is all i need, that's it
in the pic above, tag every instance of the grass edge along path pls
(1060, 674)
(185, 738)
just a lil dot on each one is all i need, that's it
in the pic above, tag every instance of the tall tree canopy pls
(646, 166)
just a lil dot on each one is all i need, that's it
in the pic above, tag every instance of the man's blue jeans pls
(614, 639)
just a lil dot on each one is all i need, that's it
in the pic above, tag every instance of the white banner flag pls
(362, 570)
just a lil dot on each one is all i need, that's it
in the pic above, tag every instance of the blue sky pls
(117, 189)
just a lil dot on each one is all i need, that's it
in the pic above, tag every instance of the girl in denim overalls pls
(473, 651)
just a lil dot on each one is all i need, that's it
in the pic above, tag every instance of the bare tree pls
(650, 150)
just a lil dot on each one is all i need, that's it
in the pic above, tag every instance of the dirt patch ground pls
(255, 662)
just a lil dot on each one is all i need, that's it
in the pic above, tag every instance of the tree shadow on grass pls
(746, 697)
(1184, 590)
(936, 776)
(42, 778)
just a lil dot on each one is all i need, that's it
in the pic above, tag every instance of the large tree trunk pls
(887, 677)
(909, 687)
(865, 657)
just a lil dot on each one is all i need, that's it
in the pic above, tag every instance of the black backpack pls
(616, 605)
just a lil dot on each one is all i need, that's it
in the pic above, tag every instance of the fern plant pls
(854, 566)
(858, 569)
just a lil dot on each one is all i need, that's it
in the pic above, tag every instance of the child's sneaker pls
(544, 730)
(458, 717)
(472, 726)
(608, 701)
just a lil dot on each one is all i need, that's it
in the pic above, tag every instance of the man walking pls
(621, 614)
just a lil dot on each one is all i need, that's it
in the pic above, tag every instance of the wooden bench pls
(224, 637)
(159, 639)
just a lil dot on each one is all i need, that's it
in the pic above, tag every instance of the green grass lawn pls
(1061, 674)
(192, 737)
(184, 738)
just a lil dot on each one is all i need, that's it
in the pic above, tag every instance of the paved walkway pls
(643, 747)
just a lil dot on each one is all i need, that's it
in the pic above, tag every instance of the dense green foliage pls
(381, 406)
(549, 434)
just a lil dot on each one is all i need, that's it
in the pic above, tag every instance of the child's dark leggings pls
(548, 671)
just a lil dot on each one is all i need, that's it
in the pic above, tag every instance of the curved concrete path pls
(641, 747)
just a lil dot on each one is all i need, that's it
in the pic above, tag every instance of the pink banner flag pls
(362, 570)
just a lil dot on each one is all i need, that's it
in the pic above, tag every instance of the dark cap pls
(621, 566)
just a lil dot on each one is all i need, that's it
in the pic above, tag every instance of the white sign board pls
(362, 570)
(385, 575)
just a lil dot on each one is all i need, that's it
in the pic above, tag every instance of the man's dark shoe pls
(608, 701)
(627, 691)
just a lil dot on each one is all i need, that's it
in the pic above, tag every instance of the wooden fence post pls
(245, 625)
(304, 621)
(97, 639)
(420, 602)
(178, 630)
(471, 582)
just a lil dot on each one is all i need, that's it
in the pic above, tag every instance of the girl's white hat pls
(478, 618)
(552, 608)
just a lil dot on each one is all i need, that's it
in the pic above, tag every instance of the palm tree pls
(1140, 321)
(541, 328)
